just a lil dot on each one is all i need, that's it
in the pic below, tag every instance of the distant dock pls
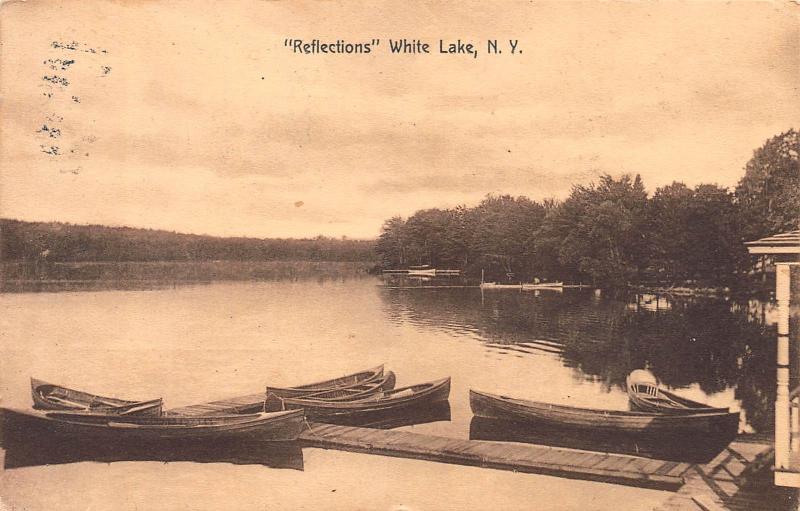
(423, 272)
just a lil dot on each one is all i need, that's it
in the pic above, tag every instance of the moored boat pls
(355, 392)
(342, 382)
(430, 272)
(397, 399)
(88, 426)
(495, 406)
(48, 396)
(646, 395)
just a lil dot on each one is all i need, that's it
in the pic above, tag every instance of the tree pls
(769, 193)
(604, 230)
(501, 227)
(391, 245)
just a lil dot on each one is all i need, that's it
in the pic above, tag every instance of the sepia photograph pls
(399, 256)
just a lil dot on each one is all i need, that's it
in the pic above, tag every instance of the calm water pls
(196, 343)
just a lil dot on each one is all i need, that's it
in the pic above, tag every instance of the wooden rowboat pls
(645, 395)
(405, 397)
(342, 382)
(355, 392)
(278, 426)
(495, 406)
(47, 396)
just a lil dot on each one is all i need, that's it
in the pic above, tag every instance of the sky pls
(194, 116)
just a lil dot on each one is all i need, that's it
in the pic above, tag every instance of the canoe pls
(350, 380)
(494, 406)
(90, 426)
(645, 395)
(405, 397)
(47, 396)
(355, 392)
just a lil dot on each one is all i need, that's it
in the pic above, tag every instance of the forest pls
(62, 242)
(611, 233)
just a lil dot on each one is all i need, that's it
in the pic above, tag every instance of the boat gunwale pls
(375, 372)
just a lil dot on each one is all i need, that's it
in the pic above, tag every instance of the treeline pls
(611, 233)
(63, 242)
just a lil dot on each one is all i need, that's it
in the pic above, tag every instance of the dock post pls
(782, 406)
(795, 422)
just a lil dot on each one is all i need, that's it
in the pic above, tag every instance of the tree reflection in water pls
(714, 343)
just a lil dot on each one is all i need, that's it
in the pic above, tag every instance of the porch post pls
(782, 420)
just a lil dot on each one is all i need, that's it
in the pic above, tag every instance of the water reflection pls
(697, 449)
(136, 276)
(34, 450)
(423, 414)
(707, 343)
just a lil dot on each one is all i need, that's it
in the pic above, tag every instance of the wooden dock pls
(242, 404)
(576, 464)
(739, 478)
(562, 462)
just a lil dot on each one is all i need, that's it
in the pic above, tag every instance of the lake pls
(192, 343)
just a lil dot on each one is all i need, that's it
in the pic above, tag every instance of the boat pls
(90, 426)
(355, 392)
(347, 381)
(495, 406)
(421, 271)
(397, 399)
(47, 396)
(646, 395)
(552, 286)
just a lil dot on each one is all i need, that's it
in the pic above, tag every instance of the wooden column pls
(782, 420)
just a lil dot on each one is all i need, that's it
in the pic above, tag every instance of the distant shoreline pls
(177, 271)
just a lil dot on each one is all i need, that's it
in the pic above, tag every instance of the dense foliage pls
(611, 233)
(769, 192)
(30, 241)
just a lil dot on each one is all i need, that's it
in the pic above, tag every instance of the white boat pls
(555, 286)
(430, 272)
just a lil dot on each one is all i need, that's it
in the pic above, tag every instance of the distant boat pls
(391, 400)
(495, 406)
(552, 286)
(422, 271)
(90, 427)
(47, 396)
(342, 382)
(646, 395)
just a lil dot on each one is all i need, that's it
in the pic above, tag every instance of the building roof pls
(785, 243)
